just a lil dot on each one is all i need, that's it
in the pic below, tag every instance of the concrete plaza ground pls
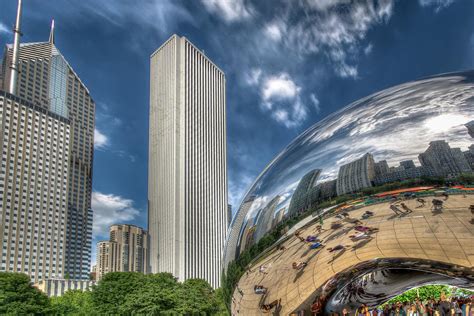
(446, 237)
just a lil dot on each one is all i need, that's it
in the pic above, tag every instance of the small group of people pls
(313, 241)
(431, 307)
(266, 308)
(437, 205)
(405, 209)
(298, 265)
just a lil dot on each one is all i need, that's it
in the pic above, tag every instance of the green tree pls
(113, 289)
(74, 302)
(19, 297)
(196, 296)
(157, 294)
(220, 302)
(423, 292)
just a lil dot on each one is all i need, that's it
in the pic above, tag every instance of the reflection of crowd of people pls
(431, 307)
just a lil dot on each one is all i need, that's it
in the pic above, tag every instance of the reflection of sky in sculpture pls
(395, 124)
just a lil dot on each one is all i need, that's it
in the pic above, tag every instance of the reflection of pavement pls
(446, 237)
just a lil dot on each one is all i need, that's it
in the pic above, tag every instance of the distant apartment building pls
(407, 164)
(125, 251)
(57, 287)
(265, 220)
(48, 82)
(469, 155)
(470, 128)
(381, 168)
(444, 160)
(35, 146)
(229, 215)
(401, 174)
(93, 274)
(234, 236)
(356, 175)
(299, 203)
(105, 262)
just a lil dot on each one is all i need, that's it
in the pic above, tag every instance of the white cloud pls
(368, 49)
(229, 10)
(323, 5)
(315, 102)
(4, 29)
(344, 70)
(279, 87)
(159, 16)
(437, 4)
(274, 31)
(101, 141)
(281, 97)
(252, 78)
(110, 209)
(336, 33)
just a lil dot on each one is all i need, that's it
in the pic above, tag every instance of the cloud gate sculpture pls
(373, 200)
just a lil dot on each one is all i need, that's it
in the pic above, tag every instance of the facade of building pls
(48, 81)
(132, 242)
(106, 252)
(125, 251)
(356, 175)
(57, 287)
(401, 174)
(470, 128)
(469, 155)
(33, 188)
(444, 160)
(265, 219)
(234, 236)
(187, 189)
(381, 167)
(298, 201)
(407, 164)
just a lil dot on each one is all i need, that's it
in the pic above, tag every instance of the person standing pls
(444, 306)
(398, 310)
(466, 308)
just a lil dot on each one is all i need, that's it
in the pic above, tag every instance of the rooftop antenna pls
(16, 50)
(51, 34)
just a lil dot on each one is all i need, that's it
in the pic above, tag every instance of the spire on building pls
(51, 33)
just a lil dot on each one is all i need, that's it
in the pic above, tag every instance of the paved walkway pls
(446, 236)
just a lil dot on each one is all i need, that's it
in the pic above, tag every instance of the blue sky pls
(287, 65)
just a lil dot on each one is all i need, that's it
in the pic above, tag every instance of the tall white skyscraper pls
(187, 177)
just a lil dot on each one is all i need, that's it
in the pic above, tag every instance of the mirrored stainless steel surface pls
(416, 130)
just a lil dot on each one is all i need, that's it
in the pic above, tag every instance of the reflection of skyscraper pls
(469, 154)
(470, 128)
(187, 188)
(381, 168)
(298, 200)
(444, 160)
(48, 81)
(248, 236)
(265, 219)
(235, 234)
(356, 175)
(278, 217)
(407, 164)
(229, 215)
